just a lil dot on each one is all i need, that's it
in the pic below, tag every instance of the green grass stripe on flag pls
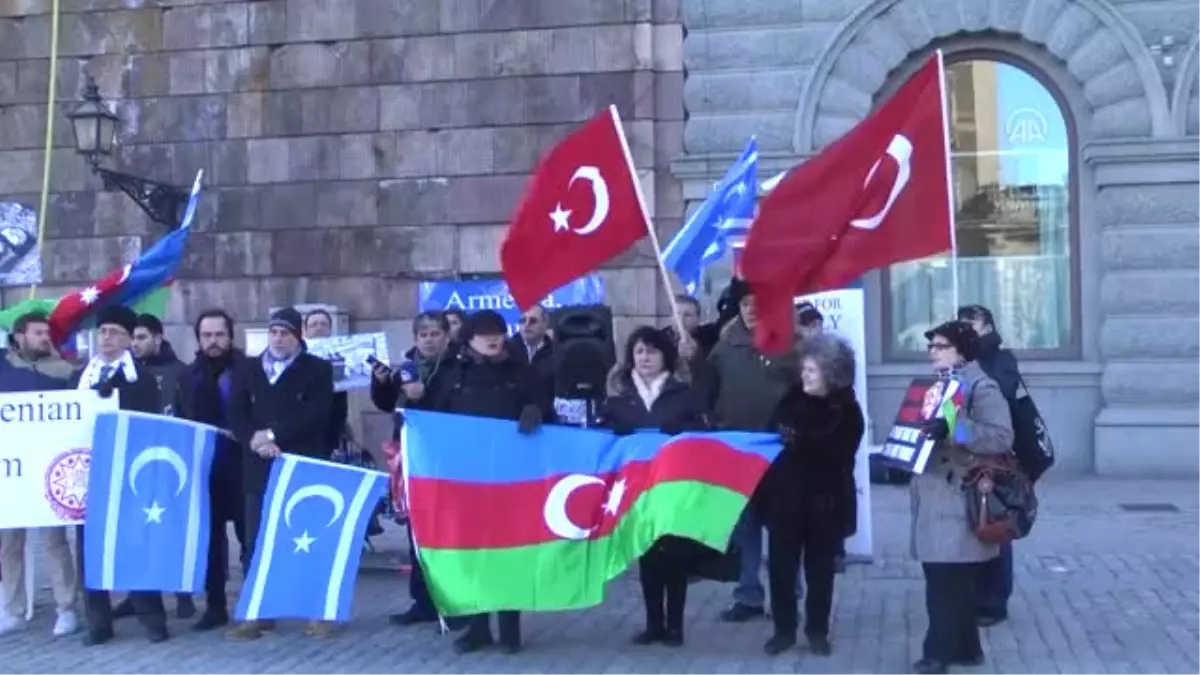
(154, 302)
(565, 574)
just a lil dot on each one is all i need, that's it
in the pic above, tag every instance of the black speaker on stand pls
(584, 354)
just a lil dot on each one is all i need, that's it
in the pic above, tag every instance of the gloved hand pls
(530, 419)
(786, 434)
(937, 429)
(105, 389)
(671, 429)
(620, 429)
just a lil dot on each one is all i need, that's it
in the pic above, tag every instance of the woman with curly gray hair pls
(808, 495)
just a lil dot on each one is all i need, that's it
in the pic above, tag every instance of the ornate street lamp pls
(95, 126)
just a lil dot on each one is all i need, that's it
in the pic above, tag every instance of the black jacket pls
(679, 407)
(389, 395)
(167, 371)
(141, 395)
(297, 408)
(999, 364)
(498, 388)
(543, 367)
(810, 485)
(199, 401)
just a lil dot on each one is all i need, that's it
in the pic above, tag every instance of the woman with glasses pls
(942, 539)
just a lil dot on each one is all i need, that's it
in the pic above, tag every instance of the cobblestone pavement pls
(1099, 589)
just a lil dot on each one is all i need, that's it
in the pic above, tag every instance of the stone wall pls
(351, 147)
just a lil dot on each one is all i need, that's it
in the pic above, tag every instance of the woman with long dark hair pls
(808, 492)
(647, 390)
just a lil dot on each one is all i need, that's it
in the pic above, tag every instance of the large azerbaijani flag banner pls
(504, 521)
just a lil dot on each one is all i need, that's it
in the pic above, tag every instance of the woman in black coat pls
(807, 497)
(646, 391)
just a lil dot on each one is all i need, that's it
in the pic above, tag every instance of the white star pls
(154, 513)
(89, 295)
(303, 542)
(560, 216)
(615, 495)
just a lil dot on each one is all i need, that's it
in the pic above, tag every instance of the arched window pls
(1012, 173)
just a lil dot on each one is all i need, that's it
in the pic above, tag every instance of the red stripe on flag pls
(458, 515)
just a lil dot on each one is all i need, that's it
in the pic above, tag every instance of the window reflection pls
(1010, 167)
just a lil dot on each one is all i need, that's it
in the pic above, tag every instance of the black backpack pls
(1031, 438)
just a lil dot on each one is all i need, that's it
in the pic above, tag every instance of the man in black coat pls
(113, 368)
(533, 346)
(995, 583)
(205, 394)
(281, 402)
(487, 380)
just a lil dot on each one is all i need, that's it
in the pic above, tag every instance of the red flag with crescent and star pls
(583, 207)
(877, 196)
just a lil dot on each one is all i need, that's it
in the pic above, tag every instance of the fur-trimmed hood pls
(618, 382)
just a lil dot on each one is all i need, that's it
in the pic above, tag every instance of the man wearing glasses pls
(533, 346)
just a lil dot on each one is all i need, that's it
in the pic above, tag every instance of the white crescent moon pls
(324, 491)
(555, 511)
(599, 191)
(125, 274)
(158, 454)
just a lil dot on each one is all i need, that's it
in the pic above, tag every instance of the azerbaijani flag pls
(504, 521)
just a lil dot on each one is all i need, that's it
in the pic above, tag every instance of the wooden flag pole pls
(49, 143)
(662, 269)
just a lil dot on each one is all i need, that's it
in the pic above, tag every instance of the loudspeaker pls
(583, 350)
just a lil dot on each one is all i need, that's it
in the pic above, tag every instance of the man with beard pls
(205, 392)
(30, 364)
(282, 402)
(113, 368)
(157, 357)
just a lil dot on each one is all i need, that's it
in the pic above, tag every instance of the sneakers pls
(740, 613)
(11, 624)
(66, 624)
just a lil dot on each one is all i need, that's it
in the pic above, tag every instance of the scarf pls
(98, 371)
(649, 391)
(275, 366)
(212, 384)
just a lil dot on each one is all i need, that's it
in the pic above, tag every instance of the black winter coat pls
(810, 485)
(543, 367)
(486, 387)
(297, 408)
(999, 364)
(141, 395)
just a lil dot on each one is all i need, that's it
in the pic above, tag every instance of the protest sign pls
(844, 313)
(46, 455)
(348, 354)
(476, 294)
(908, 448)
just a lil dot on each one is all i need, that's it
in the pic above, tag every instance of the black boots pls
(479, 633)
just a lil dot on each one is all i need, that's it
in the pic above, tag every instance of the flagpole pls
(51, 97)
(949, 182)
(658, 255)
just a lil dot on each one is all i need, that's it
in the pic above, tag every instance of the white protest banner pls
(45, 456)
(348, 354)
(844, 311)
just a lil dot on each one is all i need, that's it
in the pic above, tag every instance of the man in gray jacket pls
(744, 386)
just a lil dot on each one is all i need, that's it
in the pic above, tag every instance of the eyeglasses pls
(112, 331)
(938, 346)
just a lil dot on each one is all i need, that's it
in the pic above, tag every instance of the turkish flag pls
(877, 196)
(583, 207)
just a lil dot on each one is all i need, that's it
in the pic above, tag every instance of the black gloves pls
(937, 429)
(672, 429)
(786, 434)
(620, 429)
(530, 419)
(105, 389)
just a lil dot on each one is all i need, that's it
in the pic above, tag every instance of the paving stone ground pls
(1099, 589)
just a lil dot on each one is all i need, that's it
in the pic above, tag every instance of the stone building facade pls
(355, 147)
(352, 147)
(1119, 385)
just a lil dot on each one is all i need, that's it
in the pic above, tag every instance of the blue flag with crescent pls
(147, 521)
(310, 541)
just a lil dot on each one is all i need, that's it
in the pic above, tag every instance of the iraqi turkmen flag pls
(543, 522)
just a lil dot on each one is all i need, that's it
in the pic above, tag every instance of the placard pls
(476, 294)
(46, 455)
(908, 447)
(348, 354)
